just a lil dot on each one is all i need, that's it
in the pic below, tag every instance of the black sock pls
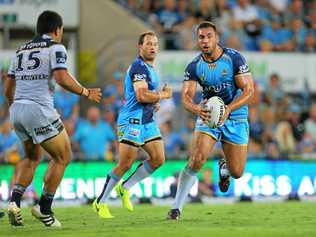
(45, 202)
(17, 193)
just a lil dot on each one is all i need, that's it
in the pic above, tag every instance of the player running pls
(136, 126)
(220, 72)
(37, 65)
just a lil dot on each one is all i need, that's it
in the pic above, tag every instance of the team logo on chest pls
(224, 72)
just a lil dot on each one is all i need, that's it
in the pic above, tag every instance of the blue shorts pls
(138, 134)
(232, 131)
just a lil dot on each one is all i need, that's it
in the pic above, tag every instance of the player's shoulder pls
(138, 65)
(232, 53)
(192, 64)
(38, 42)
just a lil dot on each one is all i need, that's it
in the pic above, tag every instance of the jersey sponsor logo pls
(186, 76)
(134, 132)
(212, 65)
(32, 77)
(33, 45)
(139, 77)
(43, 130)
(217, 88)
(243, 69)
(61, 57)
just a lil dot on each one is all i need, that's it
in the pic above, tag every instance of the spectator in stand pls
(174, 144)
(10, 145)
(66, 103)
(294, 10)
(94, 136)
(290, 131)
(247, 14)
(274, 92)
(275, 34)
(113, 93)
(280, 6)
(298, 33)
(166, 20)
(310, 123)
(309, 43)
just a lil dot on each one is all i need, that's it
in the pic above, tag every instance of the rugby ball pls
(217, 110)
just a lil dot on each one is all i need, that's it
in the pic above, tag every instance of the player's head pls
(207, 37)
(50, 22)
(148, 45)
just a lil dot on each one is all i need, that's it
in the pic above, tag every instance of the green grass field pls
(233, 220)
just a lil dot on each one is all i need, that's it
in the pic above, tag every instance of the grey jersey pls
(32, 68)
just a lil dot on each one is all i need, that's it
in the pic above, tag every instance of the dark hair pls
(48, 22)
(143, 35)
(206, 24)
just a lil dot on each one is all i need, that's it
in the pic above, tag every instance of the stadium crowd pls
(282, 126)
(263, 25)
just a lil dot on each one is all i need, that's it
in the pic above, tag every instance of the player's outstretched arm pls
(188, 93)
(68, 82)
(144, 95)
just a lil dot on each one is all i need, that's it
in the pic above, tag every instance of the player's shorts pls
(232, 131)
(33, 121)
(138, 134)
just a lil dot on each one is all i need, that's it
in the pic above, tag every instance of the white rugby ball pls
(217, 107)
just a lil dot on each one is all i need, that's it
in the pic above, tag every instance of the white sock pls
(111, 180)
(224, 171)
(186, 180)
(142, 171)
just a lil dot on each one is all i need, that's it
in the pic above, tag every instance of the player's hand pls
(94, 94)
(156, 106)
(228, 110)
(166, 92)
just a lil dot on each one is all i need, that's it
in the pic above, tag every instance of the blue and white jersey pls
(217, 77)
(32, 68)
(132, 111)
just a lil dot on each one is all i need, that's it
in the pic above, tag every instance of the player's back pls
(132, 109)
(32, 69)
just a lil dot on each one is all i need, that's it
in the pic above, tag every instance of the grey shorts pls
(36, 122)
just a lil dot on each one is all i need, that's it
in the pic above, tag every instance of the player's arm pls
(58, 59)
(68, 82)
(188, 93)
(245, 83)
(9, 88)
(144, 95)
(9, 82)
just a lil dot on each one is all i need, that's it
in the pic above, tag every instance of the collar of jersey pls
(215, 59)
(45, 36)
(140, 57)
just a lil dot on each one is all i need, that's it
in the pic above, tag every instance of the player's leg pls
(58, 147)
(233, 165)
(235, 140)
(127, 155)
(155, 149)
(23, 176)
(202, 145)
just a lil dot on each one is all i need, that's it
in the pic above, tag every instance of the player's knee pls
(236, 173)
(198, 160)
(123, 167)
(157, 161)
